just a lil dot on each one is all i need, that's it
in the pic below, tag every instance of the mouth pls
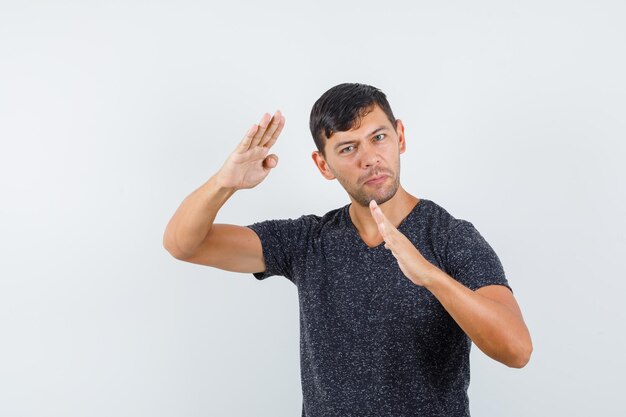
(376, 179)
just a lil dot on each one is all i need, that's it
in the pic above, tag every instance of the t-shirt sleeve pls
(471, 260)
(283, 243)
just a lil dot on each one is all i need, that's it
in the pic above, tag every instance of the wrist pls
(433, 277)
(221, 185)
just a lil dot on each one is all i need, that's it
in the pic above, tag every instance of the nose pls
(369, 155)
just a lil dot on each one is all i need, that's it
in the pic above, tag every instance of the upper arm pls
(471, 260)
(502, 295)
(231, 248)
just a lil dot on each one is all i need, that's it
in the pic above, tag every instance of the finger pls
(265, 121)
(384, 221)
(379, 219)
(377, 213)
(385, 227)
(281, 124)
(270, 161)
(383, 232)
(271, 128)
(244, 145)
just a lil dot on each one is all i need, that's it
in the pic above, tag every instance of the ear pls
(322, 165)
(400, 132)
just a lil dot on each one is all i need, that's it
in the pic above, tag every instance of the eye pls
(347, 149)
(381, 135)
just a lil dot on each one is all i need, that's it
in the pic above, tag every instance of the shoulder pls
(306, 223)
(443, 231)
(463, 251)
(456, 239)
(333, 218)
(437, 219)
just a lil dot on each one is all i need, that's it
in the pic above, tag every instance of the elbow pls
(177, 254)
(168, 245)
(173, 249)
(521, 355)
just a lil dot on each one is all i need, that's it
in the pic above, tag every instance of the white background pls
(112, 112)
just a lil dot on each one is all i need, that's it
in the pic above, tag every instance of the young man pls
(392, 288)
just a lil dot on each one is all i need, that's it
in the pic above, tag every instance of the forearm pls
(496, 329)
(490, 316)
(194, 218)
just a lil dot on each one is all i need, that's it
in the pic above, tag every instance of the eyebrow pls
(345, 142)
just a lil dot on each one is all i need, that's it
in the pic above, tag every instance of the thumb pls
(270, 161)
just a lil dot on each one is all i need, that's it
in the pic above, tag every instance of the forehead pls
(375, 119)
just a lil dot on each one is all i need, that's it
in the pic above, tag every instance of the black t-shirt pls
(373, 343)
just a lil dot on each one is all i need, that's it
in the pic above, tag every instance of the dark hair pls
(341, 109)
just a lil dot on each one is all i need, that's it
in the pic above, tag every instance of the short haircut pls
(341, 108)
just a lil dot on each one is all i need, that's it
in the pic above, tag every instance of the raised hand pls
(411, 262)
(250, 163)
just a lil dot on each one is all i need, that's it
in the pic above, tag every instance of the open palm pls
(250, 163)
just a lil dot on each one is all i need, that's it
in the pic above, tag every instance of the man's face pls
(365, 161)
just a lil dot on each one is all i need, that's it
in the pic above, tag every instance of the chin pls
(364, 200)
(384, 199)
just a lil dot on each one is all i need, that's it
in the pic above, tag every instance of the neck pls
(395, 209)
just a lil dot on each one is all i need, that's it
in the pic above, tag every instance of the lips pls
(376, 179)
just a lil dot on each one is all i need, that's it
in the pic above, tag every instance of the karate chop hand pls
(250, 163)
(410, 260)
